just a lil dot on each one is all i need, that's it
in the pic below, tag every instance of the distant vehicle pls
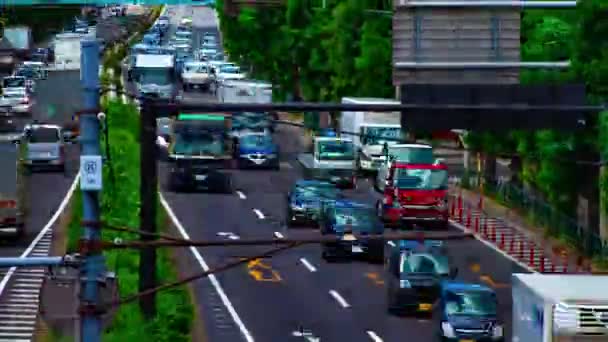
(402, 153)
(43, 55)
(206, 53)
(415, 272)
(14, 189)
(183, 35)
(247, 123)
(197, 74)
(343, 219)
(164, 22)
(304, 201)
(30, 75)
(18, 100)
(45, 147)
(469, 313)
(332, 159)
(151, 39)
(41, 73)
(258, 151)
(415, 194)
(198, 151)
(229, 71)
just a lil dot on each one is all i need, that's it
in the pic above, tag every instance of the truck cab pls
(199, 149)
(468, 313)
(332, 159)
(405, 153)
(415, 272)
(415, 194)
(155, 76)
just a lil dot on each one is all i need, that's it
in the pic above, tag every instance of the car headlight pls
(404, 284)
(497, 331)
(448, 330)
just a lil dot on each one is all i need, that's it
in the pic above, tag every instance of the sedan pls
(19, 102)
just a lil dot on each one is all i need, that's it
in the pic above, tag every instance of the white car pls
(229, 71)
(18, 100)
(197, 74)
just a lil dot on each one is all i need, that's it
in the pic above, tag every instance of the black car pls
(416, 271)
(304, 201)
(347, 219)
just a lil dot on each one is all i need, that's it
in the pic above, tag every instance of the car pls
(257, 150)
(30, 76)
(305, 199)
(39, 68)
(344, 218)
(14, 83)
(243, 124)
(468, 313)
(18, 100)
(45, 146)
(415, 271)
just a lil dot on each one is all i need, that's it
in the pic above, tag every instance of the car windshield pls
(14, 95)
(44, 135)
(421, 179)
(230, 69)
(198, 68)
(357, 217)
(256, 140)
(470, 303)
(155, 76)
(425, 263)
(192, 142)
(309, 192)
(25, 72)
(380, 135)
(13, 82)
(417, 155)
(336, 150)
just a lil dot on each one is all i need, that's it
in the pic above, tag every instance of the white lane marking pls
(229, 235)
(43, 231)
(14, 328)
(18, 322)
(13, 316)
(278, 235)
(503, 253)
(212, 278)
(241, 195)
(18, 311)
(374, 336)
(12, 305)
(339, 299)
(308, 265)
(259, 214)
(391, 243)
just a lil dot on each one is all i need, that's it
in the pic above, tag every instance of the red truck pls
(415, 194)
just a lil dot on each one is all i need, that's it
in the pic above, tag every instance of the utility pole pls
(90, 184)
(148, 199)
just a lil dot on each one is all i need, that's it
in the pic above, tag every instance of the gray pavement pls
(283, 294)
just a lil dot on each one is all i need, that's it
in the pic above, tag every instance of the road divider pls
(343, 303)
(278, 235)
(241, 195)
(259, 214)
(374, 336)
(308, 265)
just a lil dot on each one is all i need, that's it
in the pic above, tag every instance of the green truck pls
(199, 151)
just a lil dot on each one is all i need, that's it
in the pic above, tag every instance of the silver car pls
(45, 147)
(18, 100)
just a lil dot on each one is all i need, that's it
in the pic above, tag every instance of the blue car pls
(258, 151)
(415, 273)
(305, 199)
(468, 313)
(346, 219)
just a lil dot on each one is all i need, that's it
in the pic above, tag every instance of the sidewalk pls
(506, 230)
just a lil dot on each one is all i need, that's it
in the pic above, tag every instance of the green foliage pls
(319, 54)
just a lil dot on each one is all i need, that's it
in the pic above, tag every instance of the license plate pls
(425, 307)
(349, 237)
(200, 177)
(356, 249)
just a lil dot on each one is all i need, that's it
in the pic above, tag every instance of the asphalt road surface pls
(56, 99)
(276, 298)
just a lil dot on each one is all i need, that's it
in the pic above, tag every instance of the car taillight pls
(25, 101)
(8, 204)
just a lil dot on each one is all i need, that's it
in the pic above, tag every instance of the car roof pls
(461, 286)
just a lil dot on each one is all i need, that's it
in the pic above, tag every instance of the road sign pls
(91, 173)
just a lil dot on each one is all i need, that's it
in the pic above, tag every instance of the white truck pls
(67, 51)
(559, 308)
(332, 159)
(370, 130)
(155, 76)
(197, 74)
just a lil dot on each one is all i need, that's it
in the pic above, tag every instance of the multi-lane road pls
(272, 299)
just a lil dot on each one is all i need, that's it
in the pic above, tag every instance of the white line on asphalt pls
(18, 311)
(31, 306)
(212, 278)
(24, 291)
(13, 328)
(278, 235)
(241, 195)
(43, 231)
(259, 214)
(374, 336)
(14, 323)
(503, 253)
(308, 265)
(339, 299)
(9, 316)
(24, 296)
(391, 243)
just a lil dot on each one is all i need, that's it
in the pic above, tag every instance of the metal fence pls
(536, 211)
